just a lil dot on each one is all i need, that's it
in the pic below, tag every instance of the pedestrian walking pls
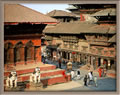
(78, 74)
(105, 72)
(91, 73)
(59, 63)
(102, 72)
(99, 71)
(90, 77)
(72, 74)
(85, 80)
(95, 81)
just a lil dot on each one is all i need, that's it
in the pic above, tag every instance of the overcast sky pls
(45, 8)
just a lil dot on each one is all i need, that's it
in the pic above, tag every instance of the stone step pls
(25, 71)
(49, 80)
(26, 76)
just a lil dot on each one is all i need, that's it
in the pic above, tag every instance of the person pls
(102, 72)
(59, 63)
(72, 74)
(99, 71)
(105, 72)
(85, 80)
(95, 81)
(91, 73)
(90, 77)
(64, 75)
(78, 74)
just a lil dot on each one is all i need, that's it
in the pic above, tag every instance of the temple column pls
(32, 52)
(101, 61)
(109, 64)
(96, 62)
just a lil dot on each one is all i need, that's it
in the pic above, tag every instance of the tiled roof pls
(61, 13)
(80, 27)
(19, 13)
(112, 39)
(105, 12)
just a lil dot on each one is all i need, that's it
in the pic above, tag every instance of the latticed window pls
(70, 46)
(100, 50)
(76, 46)
(105, 52)
(65, 44)
(84, 48)
(111, 52)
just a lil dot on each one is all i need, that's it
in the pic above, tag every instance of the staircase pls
(49, 74)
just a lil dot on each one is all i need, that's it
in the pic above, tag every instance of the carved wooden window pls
(7, 52)
(111, 52)
(84, 48)
(29, 50)
(65, 44)
(100, 50)
(105, 52)
(71, 46)
(76, 46)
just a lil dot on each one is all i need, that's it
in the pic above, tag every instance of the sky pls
(45, 8)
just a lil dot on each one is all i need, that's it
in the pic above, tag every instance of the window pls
(18, 51)
(29, 50)
(7, 52)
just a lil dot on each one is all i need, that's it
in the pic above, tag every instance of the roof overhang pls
(16, 23)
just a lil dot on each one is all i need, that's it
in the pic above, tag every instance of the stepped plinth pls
(49, 74)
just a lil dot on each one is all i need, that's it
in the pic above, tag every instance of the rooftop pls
(16, 13)
(105, 12)
(61, 13)
(112, 40)
(78, 27)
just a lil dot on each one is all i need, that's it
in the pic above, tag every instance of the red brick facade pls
(34, 51)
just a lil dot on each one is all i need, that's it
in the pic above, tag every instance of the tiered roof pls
(16, 13)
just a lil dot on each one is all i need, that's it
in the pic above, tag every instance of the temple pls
(23, 32)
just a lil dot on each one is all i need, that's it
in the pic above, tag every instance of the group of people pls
(89, 79)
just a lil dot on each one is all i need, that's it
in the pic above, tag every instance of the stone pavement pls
(104, 84)
(107, 83)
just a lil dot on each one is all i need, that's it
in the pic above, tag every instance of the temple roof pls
(80, 27)
(105, 12)
(61, 13)
(16, 13)
(112, 40)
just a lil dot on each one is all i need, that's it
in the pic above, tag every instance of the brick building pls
(104, 13)
(22, 34)
(83, 42)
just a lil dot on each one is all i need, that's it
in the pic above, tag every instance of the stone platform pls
(49, 74)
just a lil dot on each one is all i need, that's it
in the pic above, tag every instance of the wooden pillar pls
(109, 64)
(79, 57)
(96, 62)
(101, 61)
(70, 55)
(38, 54)
(32, 52)
(61, 54)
